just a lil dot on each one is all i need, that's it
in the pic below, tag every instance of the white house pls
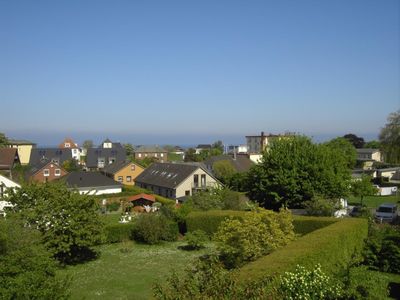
(176, 180)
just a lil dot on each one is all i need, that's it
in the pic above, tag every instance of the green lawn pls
(111, 218)
(118, 274)
(374, 201)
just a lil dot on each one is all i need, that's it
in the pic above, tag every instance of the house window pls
(128, 178)
(101, 162)
(162, 154)
(187, 193)
(120, 178)
(57, 172)
(139, 155)
(67, 145)
(196, 180)
(156, 154)
(46, 172)
(111, 160)
(132, 167)
(203, 180)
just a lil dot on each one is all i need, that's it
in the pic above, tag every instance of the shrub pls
(382, 248)
(366, 284)
(304, 225)
(319, 206)
(118, 232)
(153, 228)
(308, 284)
(258, 233)
(333, 246)
(195, 240)
(114, 206)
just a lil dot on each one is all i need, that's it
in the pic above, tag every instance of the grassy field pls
(120, 274)
(374, 201)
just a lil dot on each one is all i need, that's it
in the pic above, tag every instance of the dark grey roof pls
(203, 146)
(93, 154)
(242, 163)
(20, 142)
(115, 167)
(39, 155)
(366, 150)
(149, 149)
(168, 175)
(82, 179)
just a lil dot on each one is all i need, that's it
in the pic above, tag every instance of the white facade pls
(100, 190)
(204, 180)
(256, 158)
(76, 154)
(5, 184)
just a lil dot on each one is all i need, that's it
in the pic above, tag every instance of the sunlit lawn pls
(117, 274)
(374, 201)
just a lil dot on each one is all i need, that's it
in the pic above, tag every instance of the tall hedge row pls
(208, 221)
(118, 232)
(333, 247)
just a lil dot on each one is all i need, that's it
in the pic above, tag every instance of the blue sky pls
(191, 72)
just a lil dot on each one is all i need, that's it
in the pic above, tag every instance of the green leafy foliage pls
(382, 248)
(70, 165)
(3, 140)
(27, 270)
(119, 232)
(389, 138)
(217, 199)
(195, 240)
(207, 278)
(113, 206)
(293, 170)
(304, 225)
(345, 150)
(319, 206)
(257, 234)
(357, 142)
(363, 187)
(373, 144)
(152, 228)
(309, 284)
(69, 222)
(223, 170)
(362, 283)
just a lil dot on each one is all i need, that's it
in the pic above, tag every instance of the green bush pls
(333, 246)
(195, 240)
(363, 283)
(114, 206)
(153, 228)
(308, 284)
(118, 232)
(257, 234)
(319, 206)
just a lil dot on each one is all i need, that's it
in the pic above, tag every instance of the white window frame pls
(46, 172)
(57, 172)
(128, 178)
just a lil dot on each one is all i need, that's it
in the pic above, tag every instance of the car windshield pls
(385, 209)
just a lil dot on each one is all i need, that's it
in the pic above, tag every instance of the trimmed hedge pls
(208, 221)
(118, 232)
(303, 225)
(333, 247)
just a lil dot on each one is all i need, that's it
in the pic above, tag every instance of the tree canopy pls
(69, 222)
(363, 187)
(87, 144)
(3, 140)
(344, 148)
(293, 170)
(27, 270)
(358, 142)
(390, 138)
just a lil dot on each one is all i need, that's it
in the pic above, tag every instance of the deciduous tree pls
(363, 187)
(358, 142)
(69, 222)
(3, 140)
(390, 138)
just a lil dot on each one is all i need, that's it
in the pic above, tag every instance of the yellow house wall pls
(127, 171)
(24, 153)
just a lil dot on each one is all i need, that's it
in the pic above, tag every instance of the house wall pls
(99, 190)
(188, 184)
(132, 170)
(7, 184)
(40, 175)
(160, 156)
(24, 153)
(76, 154)
(376, 156)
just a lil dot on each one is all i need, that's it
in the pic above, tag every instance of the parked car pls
(356, 211)
(386, 212)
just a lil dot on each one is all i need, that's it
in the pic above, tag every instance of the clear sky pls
(191, 72)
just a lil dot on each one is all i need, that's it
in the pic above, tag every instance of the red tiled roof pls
(142, 196)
